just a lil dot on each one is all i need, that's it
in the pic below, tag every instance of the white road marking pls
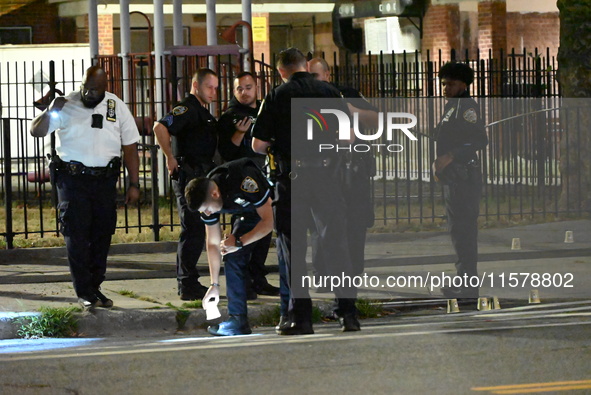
(264, 340)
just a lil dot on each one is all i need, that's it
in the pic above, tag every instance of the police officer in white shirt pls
(92, 127)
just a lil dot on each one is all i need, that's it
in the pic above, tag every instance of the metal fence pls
(520, 166)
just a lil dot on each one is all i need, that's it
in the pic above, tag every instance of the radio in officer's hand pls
(97, 121)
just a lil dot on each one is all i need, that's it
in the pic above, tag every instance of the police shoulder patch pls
(249, 185)
(470, 115)
(179, 110)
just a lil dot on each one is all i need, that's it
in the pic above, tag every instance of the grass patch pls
(181, 316)
(148, 299)
(268, 317)
(195, 304)
(317, 314)
(369, 308)
(133, 295)
(52, 322)
(128, 293)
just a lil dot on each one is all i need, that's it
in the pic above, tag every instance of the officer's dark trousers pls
(317, 193)
(88, 216)
(191, 240)
(236, 265)
(462, 203)
(360, 216)
(282, 218)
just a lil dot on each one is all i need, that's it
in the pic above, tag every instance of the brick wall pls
(492, 27)
(42, 17)
(533, 30)
(441, 30)
(105, 34)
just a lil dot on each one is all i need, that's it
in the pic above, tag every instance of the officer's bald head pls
(319, 68)
(94, 85)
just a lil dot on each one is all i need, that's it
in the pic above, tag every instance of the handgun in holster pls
(114, 167)
(55, 163)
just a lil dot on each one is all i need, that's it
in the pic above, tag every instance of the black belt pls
(74, 168)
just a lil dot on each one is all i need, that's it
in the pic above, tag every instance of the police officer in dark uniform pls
(92, 126)
(319, 176)
(235, 142)
(187, 136)
(360, 167)
(460, 135)
(241, 189)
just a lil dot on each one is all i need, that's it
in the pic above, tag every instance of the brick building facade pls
(466, 26)
(42, 18)
(487, 26)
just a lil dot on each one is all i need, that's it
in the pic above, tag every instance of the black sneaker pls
(283, 323)
(103, 301)
(349, 323)
(294, 329)
(196, 292)
(87, 304)
(266, 289)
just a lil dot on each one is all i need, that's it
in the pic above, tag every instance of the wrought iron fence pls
(521, 165)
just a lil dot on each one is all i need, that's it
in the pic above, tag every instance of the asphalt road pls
(530, 349)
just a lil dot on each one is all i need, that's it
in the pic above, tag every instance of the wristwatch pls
(238, 243)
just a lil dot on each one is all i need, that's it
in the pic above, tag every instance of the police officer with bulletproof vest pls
(235, 142)
(459, 136)
(318, 176)
(239, 188)
(187, 136)
(92, 127)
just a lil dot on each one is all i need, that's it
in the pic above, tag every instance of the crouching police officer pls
(460, 134)
(92, 126)
(236, 187)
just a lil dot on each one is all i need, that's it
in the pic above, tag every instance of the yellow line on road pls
(537, 387)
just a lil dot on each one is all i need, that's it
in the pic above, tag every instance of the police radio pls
(272, 166)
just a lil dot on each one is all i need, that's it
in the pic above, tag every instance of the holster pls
(453, 173)
(54, 163)
(187, 171)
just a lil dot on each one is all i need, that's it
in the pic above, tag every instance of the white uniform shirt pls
(79, 141)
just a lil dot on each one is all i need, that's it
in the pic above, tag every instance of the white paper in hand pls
(211, 310)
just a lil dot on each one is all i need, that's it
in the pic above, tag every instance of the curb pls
(147, 322)
(45, 253)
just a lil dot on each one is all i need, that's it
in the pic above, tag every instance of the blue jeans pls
(236, 264)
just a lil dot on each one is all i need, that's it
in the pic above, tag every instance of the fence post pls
(7, 182)
(155, 192)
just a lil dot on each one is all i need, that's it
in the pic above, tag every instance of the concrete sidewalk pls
(141, 277)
